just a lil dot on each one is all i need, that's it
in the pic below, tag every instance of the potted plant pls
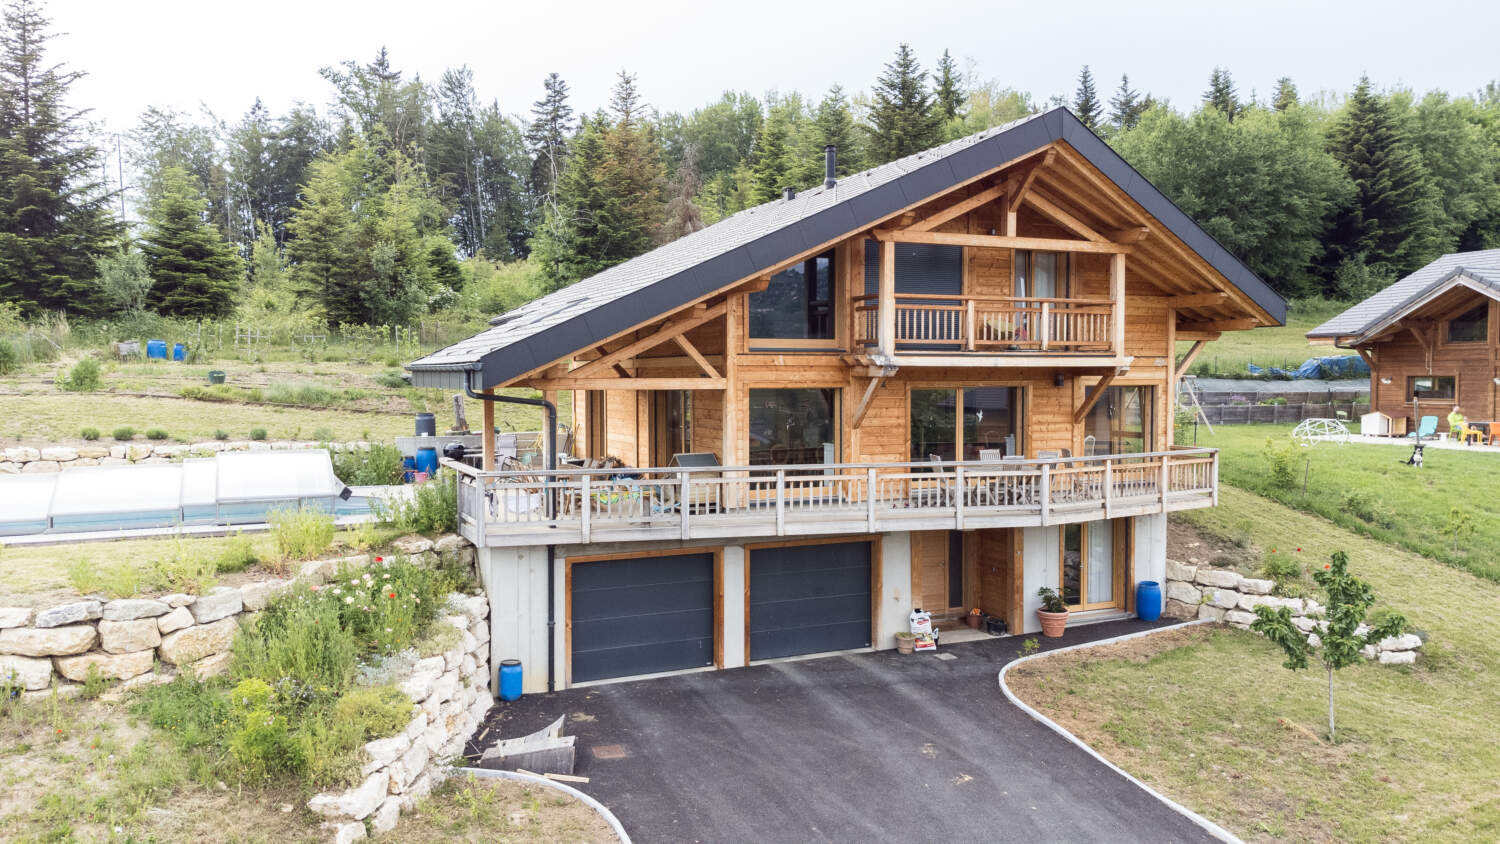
(1053, 612)
(906, 641)
(975, 618)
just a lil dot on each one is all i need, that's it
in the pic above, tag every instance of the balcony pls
(992, 324)
(575, 506)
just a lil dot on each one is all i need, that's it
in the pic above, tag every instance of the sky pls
(191, 53)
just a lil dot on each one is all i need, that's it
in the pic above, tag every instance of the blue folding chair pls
(1426, 429)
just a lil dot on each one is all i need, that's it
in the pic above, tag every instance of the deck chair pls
(1427, 429)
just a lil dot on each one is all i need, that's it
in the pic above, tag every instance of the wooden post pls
(1117, 302)
(969, 325)
(487, 431)
(887, 336)
(870, 498)
(730, 413)
(1046, 327)
(1109, 489)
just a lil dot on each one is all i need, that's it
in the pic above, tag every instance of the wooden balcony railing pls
(990, 323)
(574, 506)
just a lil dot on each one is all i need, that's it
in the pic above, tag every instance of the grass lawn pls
(1367, 489)
(81, 771)
(1210, 718)
(1284, 346)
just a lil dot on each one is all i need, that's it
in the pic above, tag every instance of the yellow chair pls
(1469, 434)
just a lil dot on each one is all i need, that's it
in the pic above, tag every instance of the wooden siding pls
(1398, 355)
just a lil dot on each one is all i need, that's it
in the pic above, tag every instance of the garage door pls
(641, 616)
(809, 599)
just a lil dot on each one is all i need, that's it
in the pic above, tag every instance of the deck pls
(577, 506)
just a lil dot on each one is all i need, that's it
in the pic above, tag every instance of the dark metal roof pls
(645, 287)
(1482, 268)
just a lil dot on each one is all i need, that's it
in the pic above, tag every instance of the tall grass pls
(300, 533)
(433, 507)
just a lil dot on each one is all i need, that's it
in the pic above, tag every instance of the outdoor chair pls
(1426, 430)
(1471, 435)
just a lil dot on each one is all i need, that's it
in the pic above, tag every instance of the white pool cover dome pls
(229, 488)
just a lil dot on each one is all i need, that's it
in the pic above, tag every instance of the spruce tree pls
(902, 118)
(577, 238)
(1221, 94)
(54, 214)
(1286, 94)
(547, 137)
(947, 88)
(633, 172)
(1391, 221)
(772, 166)
(1086, 101)
(833, 123)
(1127, 106)
(194, 270)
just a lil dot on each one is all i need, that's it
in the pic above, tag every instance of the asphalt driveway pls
(861, 747)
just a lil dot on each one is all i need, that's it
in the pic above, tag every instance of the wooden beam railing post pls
(1046, 494)
(958, 497)
(1117, 302)
(781, 502)
(683, 502)
(870, 499)
(1045, 329)
(487, 433)
(586, 505)
(969, 324)
(1109, 489)
(886, 342)
(1166, 479)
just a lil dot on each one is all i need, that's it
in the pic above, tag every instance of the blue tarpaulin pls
(1337, 366)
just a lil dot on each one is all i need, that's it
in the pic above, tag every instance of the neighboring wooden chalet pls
(1432, 341)
(940, 384)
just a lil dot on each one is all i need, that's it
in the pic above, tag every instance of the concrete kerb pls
(602, 810)
(1205, 824)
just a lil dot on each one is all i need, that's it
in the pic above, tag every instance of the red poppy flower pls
(1299, 549)
(1325, 565)
(379, 559)
(392, 595)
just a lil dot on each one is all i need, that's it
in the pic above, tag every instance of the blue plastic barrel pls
(179, 352)
(409, 467)
(510, 679)
(156, 349)
(427, 460)
(1148, 600)
(426, 425)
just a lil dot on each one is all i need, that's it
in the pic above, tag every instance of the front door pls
(1091, 571)
(937, 571)
(671, 425)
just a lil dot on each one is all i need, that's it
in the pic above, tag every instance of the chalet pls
(941, 384)
(1432, 341)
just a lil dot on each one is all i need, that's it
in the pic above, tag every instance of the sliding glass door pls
(965, 424)
(1120, 422)
(1086, 566)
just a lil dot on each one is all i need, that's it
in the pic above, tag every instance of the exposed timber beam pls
(1219, 325)
(865, 401)
(1041, 203)
(1093, 395)
(692, 352)
(1195, 336)
(624, 384)
(1044, 244)
(1013, 204)
(666, 333)
(1187, 360)
(958, 209)
(1134, 234)
(1198, 300)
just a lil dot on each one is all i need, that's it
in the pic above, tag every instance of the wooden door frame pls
(876, 542)
(1023, 400)
(718, 589)
(1118, 565)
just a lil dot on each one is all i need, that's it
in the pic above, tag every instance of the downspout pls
(551, 506)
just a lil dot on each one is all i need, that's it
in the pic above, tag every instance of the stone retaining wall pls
(1230, 598)
(14, 461)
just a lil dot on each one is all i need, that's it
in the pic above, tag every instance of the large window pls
(1041, 275)
(1119, 423)
(790, 427)
(1436, 387)
(672, 425)
(1086, 565)
(1471, 326)
(960, 424)
(797, 304)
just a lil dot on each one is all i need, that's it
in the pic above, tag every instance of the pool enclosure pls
(226, 489)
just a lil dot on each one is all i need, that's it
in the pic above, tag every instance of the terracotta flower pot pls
(1053, 623)
(973, 620)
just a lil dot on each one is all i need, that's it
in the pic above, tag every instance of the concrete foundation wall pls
(516, 581)
(733, 585)
(1039, 556)
(894, 603)
(1151, 549)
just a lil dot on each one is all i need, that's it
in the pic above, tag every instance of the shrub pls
(433, 508)
(156, 434)
(379, 464)
(238, 555)
(1365, 506)
(221, 434)
(393, 363)
(89, 434)
(389, 604)
(379, 712)
(323, 434)
(124, 432)
(10, 359)
(1281, 464)
(1283, 568)
(82, 378)
(84, 576)
(1381, 617)
(393, 380)
(300, 533)
(184, 569)
(298, 636)
(257, 434)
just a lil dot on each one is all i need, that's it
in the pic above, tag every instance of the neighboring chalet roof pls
(697, 265)
(1477, 270)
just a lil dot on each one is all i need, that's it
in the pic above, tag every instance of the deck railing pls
(991, 323)
(571, 506)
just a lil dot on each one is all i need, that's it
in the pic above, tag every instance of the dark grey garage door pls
(641, 616)
(809, 599)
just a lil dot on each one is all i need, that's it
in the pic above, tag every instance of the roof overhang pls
(1455, 278)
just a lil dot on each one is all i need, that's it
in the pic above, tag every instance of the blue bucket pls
(156, 349)
(510, 679)
(1148, 600)
(179, 352)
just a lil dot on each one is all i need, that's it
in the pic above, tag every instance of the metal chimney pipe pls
(830, 165)
(789, 194)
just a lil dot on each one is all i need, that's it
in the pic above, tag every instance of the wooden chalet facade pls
(1432, 341)
(939, 384)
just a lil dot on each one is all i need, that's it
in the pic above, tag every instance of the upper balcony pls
(989, 324)
(576, 506)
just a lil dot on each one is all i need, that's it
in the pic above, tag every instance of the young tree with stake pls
(1339, 638)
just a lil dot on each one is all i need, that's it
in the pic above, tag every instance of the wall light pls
(1388, 381)
(1496, 380)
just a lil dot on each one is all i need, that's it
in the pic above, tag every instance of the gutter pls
(551, 438)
